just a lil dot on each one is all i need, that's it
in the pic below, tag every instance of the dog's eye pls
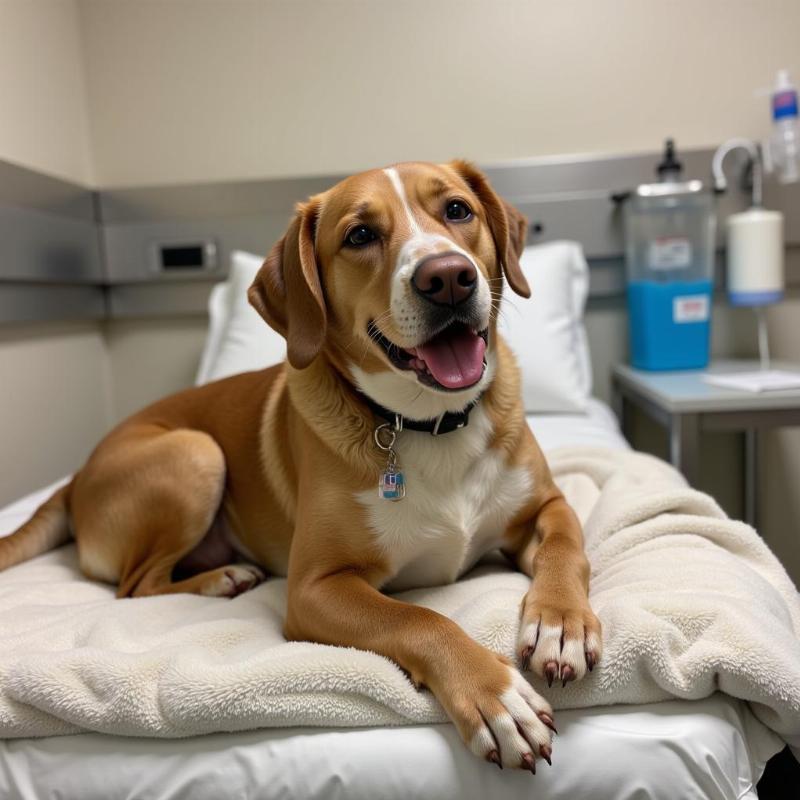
(360, 236)
(458, 211)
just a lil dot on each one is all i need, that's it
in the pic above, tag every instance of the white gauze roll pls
(755, 257)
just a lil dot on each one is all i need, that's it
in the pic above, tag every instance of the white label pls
(690, 308)
(670, 252)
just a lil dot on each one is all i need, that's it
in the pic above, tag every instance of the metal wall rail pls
(69, 253)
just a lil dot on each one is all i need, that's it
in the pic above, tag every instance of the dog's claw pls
(548, 721)
(494, 757)
(525, 657)
(567, 674)
(545, 752)
(550, 672)
(590, 662)
(529, 762)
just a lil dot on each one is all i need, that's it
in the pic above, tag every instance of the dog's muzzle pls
(450, 353)
(446, 279)
(451, 360)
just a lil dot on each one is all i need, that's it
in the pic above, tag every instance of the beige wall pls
(65, 385)
(42, 92)
(190, 90)
(54, 404)
(151, 358)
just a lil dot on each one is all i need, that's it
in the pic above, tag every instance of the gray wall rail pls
(50, 261)
(68, 252)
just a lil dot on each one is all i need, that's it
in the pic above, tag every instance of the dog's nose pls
(447, 279)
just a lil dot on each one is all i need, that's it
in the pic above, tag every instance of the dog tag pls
(392, 484)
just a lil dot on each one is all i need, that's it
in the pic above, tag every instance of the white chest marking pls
(460, 496)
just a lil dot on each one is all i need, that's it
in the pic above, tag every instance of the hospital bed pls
(710, 748)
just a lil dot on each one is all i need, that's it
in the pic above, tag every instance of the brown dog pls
(386, 288)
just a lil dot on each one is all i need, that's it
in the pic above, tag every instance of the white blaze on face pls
(407, 306)
(394, 177)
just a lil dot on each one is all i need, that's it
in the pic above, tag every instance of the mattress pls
(710, 748)
(597, 427)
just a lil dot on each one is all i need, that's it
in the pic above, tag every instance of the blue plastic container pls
(670, 324)
(669, 256)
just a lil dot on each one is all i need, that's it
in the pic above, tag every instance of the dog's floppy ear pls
(287, 291)
(509, 228)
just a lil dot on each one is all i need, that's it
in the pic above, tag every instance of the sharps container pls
(669, 257)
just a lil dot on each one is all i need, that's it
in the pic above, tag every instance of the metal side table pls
(686, 406)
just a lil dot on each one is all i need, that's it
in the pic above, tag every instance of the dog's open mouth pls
(452, 360)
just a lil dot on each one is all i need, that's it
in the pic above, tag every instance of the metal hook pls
(757, 169)
(392, 435)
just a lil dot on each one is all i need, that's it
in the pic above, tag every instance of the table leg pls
(684, 445)
(751, 476)
(621, 408)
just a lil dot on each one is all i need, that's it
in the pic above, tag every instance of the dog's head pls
(396, 275)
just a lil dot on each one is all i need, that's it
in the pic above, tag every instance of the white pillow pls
(219, 313)
(238, 339)
(546, 331)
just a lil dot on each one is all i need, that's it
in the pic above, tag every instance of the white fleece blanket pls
(691, 603)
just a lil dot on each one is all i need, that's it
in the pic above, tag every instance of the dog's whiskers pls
(381, 317)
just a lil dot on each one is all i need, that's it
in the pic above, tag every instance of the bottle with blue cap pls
(784, 144)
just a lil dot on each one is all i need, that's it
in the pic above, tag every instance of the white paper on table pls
(768, 380)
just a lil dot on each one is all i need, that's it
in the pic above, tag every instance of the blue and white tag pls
(392, 484)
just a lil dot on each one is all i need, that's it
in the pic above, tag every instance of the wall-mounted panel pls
(54, 233)
(564, 198)
(40, 247)
(26, 188)
(132, 250)
(27, 302)
(208, 200)
(50, 259)
(176, 299)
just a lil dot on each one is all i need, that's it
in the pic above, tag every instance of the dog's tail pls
(45, 530)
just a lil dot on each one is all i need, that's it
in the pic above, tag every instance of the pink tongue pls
(455, 359)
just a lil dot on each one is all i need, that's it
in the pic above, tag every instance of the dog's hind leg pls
(227, 581)
(145, 500)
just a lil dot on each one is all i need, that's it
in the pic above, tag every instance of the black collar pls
(445, 423)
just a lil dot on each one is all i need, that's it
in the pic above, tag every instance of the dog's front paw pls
(499, 715)
(559, 639)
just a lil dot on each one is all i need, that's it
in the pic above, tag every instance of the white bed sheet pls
(711, 748)
(598, 427)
